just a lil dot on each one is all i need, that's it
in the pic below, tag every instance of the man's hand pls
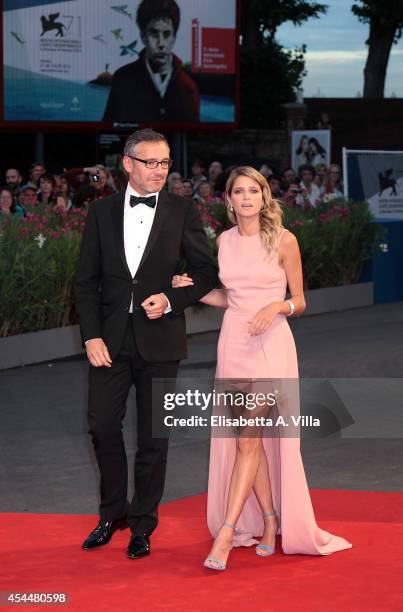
(97, 353)
(155, 305)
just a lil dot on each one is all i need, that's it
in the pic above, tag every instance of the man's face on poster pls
(158, 40)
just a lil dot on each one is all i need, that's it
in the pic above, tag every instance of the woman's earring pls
(231, 209)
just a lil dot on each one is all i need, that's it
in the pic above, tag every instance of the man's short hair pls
(146, 135)
(34, 165)
(158, 9)
(306, 168)
(16, 170)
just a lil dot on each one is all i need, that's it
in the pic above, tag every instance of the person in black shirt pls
(155, 87)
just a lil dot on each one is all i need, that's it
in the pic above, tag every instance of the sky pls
(336, 53)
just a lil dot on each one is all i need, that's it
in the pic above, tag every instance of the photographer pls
(97, 176)
(292, 197)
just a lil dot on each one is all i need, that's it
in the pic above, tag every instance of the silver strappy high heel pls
(217, 564)
(264, 550)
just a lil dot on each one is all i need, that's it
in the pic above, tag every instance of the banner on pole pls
(377, 177)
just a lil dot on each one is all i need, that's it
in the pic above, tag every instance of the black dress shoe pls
(103, 533)
(139, 546)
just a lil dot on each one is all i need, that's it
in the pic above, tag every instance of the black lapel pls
(160, 215)
(117, 214)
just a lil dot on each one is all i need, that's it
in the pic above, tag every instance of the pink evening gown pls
(252, 279)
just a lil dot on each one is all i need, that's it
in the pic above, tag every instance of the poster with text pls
(142, 61)
(375, 177)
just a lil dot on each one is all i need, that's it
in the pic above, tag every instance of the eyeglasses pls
(151, 164)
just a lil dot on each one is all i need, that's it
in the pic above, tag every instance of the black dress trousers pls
(108, 391)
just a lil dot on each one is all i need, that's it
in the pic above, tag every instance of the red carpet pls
(41, 553)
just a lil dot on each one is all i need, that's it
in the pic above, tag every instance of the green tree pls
(270, 74)
(385, 19)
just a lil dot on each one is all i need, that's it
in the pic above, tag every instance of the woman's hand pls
(181, 281)
(263, 319)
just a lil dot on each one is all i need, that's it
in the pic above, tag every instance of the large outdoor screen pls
(142, 61)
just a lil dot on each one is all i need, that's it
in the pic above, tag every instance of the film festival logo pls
(49, 24)
(58, 35)
(386, 181)
(54, 26)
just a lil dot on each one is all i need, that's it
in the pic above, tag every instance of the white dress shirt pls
(137, 225)
(161, 81)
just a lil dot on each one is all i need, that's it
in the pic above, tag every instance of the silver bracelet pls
(292, 308)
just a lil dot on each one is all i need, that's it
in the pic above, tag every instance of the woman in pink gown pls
(257, 486)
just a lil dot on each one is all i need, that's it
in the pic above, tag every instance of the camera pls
(92, 177)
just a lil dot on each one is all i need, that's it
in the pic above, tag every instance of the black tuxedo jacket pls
(133, 97)
(104, 286)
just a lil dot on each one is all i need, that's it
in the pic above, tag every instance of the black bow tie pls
(148, 201)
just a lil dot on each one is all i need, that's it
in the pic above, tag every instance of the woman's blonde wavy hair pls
(271, 212)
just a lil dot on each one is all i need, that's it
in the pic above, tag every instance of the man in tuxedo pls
(155, 88)
(133, 325)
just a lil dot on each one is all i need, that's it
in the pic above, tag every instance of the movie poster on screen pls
(61, 60)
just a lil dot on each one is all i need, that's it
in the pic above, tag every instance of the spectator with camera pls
(97, 175)
(102, 182)
(293, 195)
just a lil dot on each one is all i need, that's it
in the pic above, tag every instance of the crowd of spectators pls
(73, 188)
(305, 187)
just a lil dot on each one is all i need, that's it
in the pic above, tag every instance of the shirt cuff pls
(168, 309)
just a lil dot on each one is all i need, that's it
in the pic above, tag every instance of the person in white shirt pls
(310, 193)
(133, 325)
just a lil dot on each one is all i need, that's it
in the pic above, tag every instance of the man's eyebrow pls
(166, 30)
